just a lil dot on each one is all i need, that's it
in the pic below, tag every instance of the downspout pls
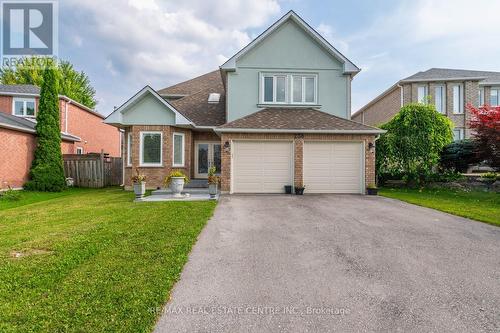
(66, 116)
(122, 154)
(401, 94)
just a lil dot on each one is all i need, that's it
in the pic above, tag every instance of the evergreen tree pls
(47, 172)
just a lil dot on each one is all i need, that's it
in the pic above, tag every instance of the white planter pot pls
(177, 185)
(139, 189)
(212, 190)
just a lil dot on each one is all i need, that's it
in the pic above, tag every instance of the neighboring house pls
(275, 114)
(82, 131)
(450, 90)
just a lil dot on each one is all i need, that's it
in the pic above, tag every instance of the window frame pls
(79, 149)
(182, 150)
(423, 99)
(303, 77)
(497, 89)
(480, 99)
(274, 76)
(460, 98)
(442, 87)
(141, 149)
(461, 134)
(24, 100)
(129, 149)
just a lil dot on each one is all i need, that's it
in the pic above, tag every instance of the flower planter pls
(177, 185)
(140, 189)
(212, 190)
(372, 191)
(299, 190)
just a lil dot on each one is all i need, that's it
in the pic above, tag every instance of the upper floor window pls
(151, 148)
(24, 107)
(495, 96)
(458, 98)
(481, 96)
(440, 98)
(289, 88)
(79, 150)
(422, 94)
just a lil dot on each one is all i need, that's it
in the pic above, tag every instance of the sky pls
(124, 45)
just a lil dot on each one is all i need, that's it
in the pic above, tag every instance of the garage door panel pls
(333, 167)
(261, 166)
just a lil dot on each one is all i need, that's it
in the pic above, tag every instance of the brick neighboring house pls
(450, 90)
(82, 131)
(275, 114)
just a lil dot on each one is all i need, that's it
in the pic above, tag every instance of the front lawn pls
(92, 260)
(480, 206)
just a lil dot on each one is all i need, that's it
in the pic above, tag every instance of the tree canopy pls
(412, 145)
(73, 84)
(485, 122)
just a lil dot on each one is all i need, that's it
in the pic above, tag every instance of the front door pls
(206, 155)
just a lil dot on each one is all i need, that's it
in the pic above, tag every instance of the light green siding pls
(288, 49)
(148, 111)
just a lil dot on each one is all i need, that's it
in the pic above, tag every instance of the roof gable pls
(348, 66)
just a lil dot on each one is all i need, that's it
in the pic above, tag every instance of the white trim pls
(444, 79)
(117, 113)
(24, 100)
(129, 149)
(79, 151)
(303, 92)
(182, 150)
(349, 67)
(64, 136)
(210, 156)
(256, 130)
(141, 163)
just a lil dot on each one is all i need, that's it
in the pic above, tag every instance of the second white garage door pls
(262, 166)
(333, 167)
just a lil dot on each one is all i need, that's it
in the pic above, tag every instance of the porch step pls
(193, 190)
(197, 183)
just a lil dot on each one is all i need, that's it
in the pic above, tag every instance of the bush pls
(175, 173)
(47, 172)
(412, 145)
(459, 155)
(10, 195)
(485, 122)
(445, 176)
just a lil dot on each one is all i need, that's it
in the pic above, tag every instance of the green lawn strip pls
(29, 197)
(476, 205)
(104, 261)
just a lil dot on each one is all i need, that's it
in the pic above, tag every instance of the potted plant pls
(139, 181)
(288, 189)
(372, 189)
(176, 180)
(299, 190)
(213, 180)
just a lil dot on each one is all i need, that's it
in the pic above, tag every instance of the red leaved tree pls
(485, 125)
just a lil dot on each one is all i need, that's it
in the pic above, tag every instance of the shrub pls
(445, 176)
(138, 177)
(175, 173)
(411, 147)
(491, 176)
(212, 177)
(485, 122)
(47, 172)
(459, 155)
(10, 195)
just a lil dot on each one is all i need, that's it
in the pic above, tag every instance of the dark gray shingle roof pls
(450, 74)
(19, 89)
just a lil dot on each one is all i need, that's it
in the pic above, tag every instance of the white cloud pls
(328, 33)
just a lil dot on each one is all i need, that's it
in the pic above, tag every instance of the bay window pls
(151, 149)
(178, 150)
(24, 107)
(289, 88)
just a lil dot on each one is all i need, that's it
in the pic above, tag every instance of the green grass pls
(26, 197)
(92, 260)
(480, 206)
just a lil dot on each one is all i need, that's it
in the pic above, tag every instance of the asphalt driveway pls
(341, 263)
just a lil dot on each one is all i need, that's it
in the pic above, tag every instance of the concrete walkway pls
(340, 263)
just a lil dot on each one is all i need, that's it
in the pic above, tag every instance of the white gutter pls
(29, 130)
(254, 130)
(401, 93)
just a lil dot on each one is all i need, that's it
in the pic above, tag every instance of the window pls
(79, 150)
(422, 94)
(151, 149)
(458, 98)
(129, 149)
(24, 107)
(178, 146)
(304, 89)
(440, 98)
(458, 134)
(495, 96)
(289, 88)
(481, 97)
(274, 88)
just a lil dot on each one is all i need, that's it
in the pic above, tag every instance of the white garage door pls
(262, 166)
(333, 167)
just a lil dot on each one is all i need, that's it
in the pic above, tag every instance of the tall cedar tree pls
(485, 123)
(47, 172)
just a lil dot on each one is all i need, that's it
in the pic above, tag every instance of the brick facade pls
(382, 110)
(16, 154)
(298, 140)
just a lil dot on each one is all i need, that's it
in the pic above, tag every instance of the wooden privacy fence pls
(93, 170)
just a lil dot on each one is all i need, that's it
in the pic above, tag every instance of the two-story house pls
(276, 113)
(450, 90)
(82, 131)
